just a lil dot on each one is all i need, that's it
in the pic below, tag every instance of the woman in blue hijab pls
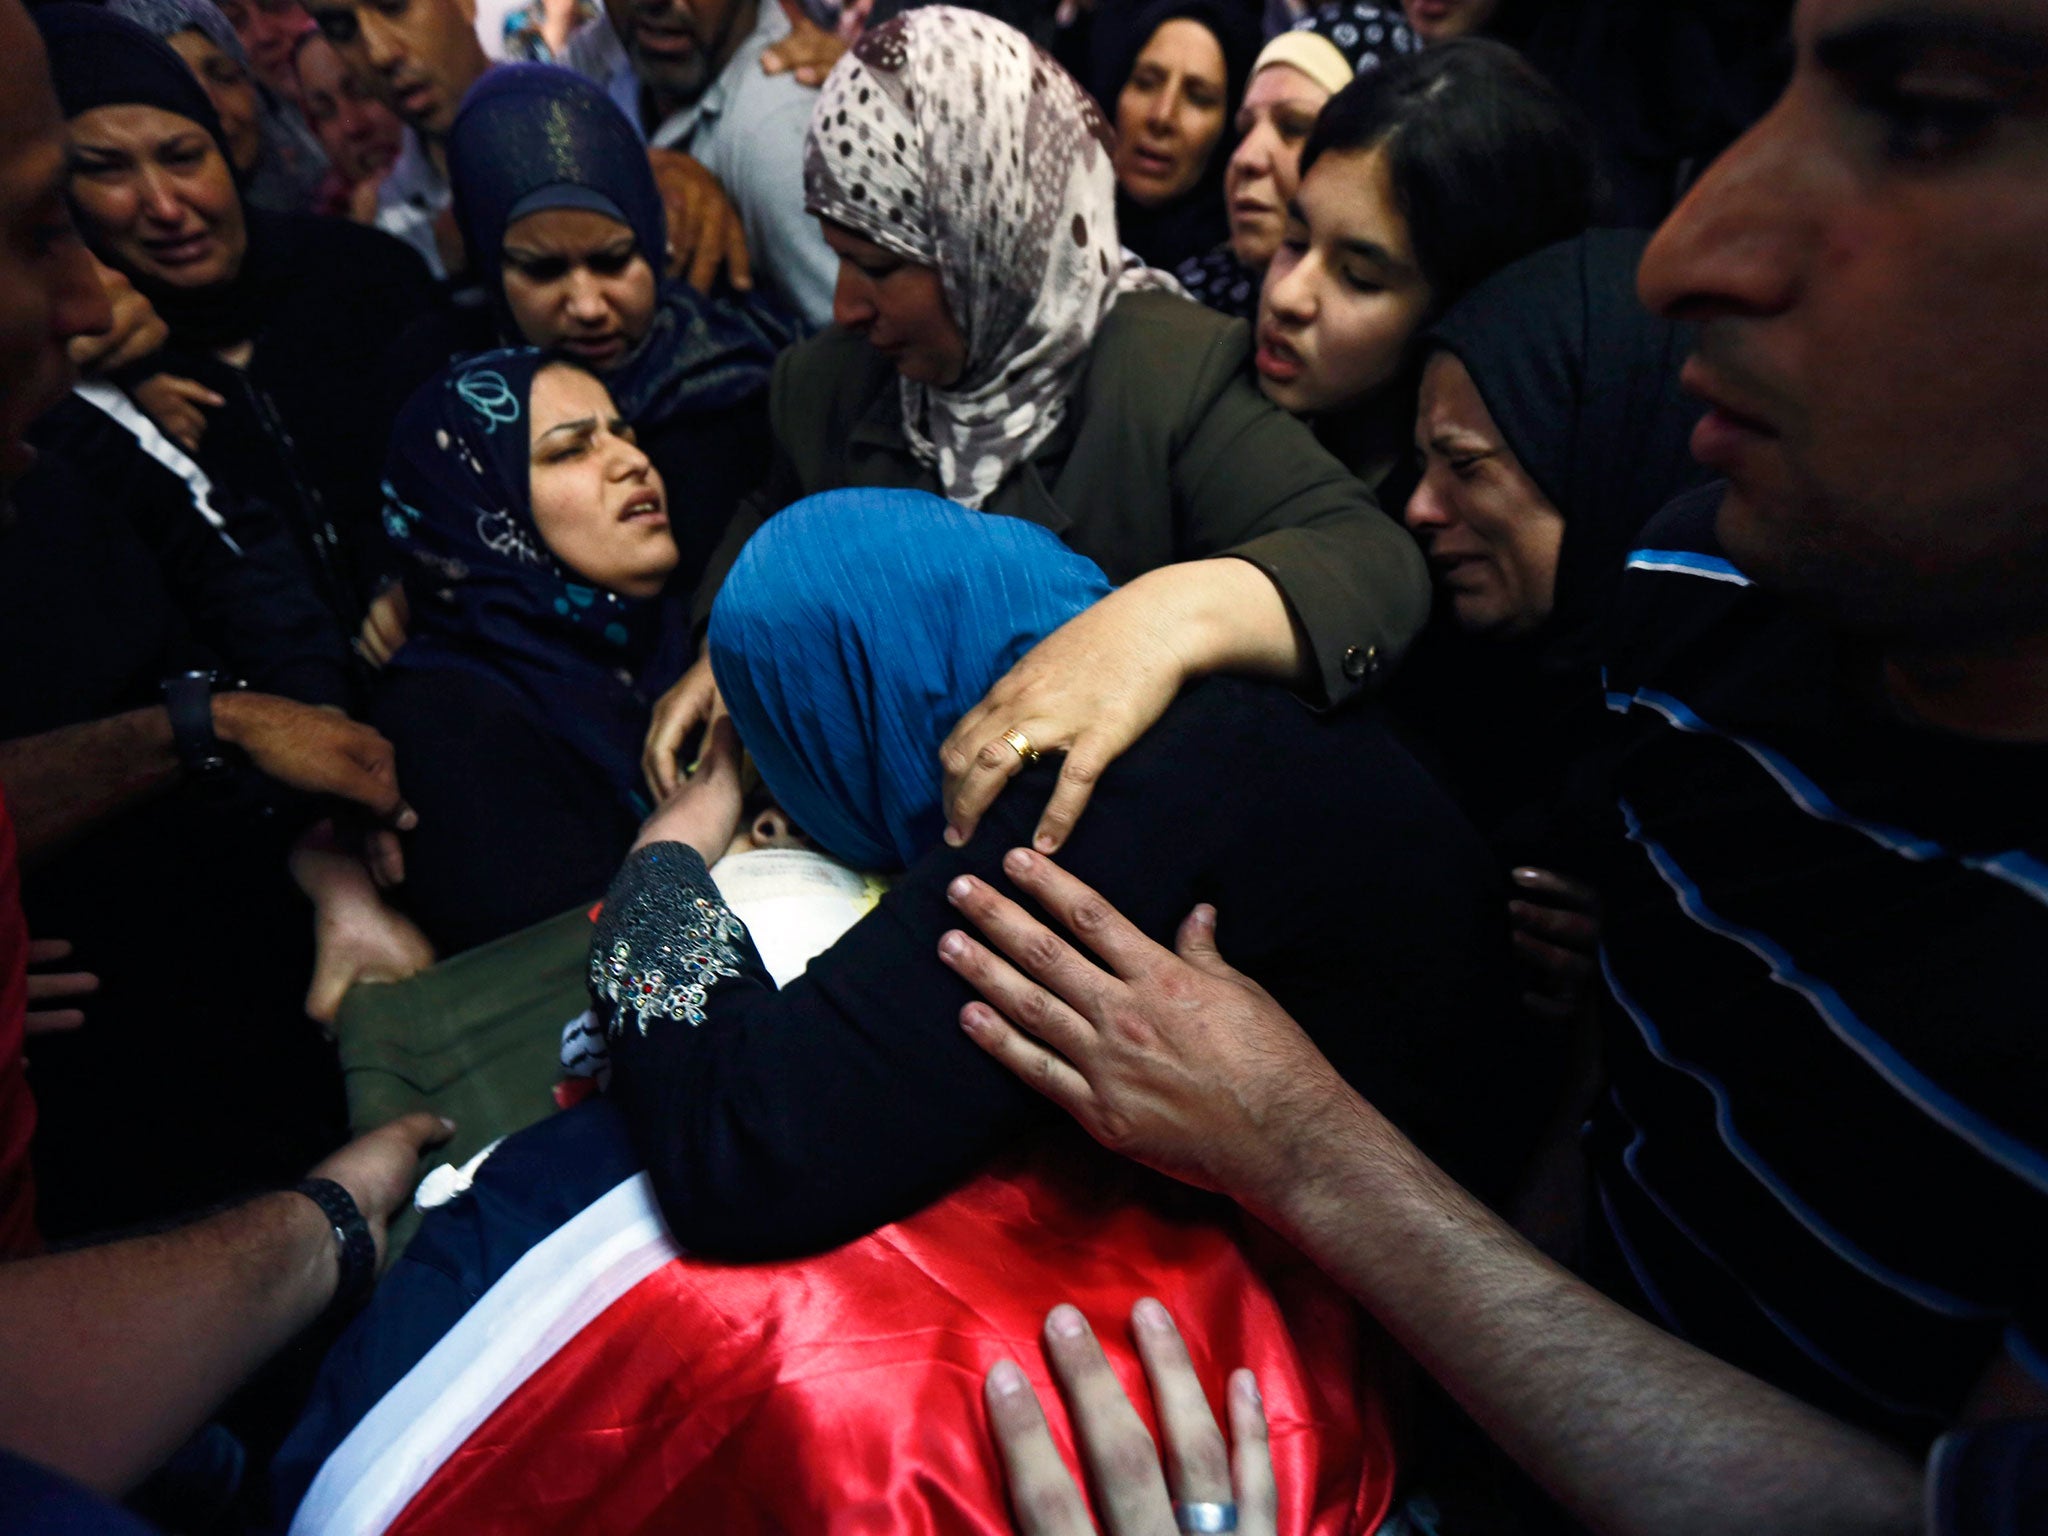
(850, 634)
(535, 542)
(843, 699)
(565, 234)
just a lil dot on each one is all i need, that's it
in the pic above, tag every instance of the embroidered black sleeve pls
(665, 940)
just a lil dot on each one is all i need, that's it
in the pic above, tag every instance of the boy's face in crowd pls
(49, 292)
(678, 46)
(1870, 265)
(419, 56)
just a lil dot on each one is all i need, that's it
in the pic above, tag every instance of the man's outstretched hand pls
(319, 751)
(1169, 1056)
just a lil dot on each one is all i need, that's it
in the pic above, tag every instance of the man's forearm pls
(113, 1355)
(1630, 1428)
(63, 782)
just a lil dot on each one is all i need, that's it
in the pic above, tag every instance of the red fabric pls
(843, 1393)
(18, 1234)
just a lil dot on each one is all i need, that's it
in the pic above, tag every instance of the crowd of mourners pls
(1263, 765)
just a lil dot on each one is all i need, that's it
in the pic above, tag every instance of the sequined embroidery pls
(663, 943)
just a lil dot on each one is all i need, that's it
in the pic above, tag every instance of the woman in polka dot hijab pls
(948, 139)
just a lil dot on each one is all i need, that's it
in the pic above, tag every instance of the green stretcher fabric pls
(476, 1038)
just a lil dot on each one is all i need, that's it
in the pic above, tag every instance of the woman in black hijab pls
(1553, 429)
(275, 319)
(1175, 108)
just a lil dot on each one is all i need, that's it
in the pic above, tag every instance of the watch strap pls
(188, 699)
(355, 1249)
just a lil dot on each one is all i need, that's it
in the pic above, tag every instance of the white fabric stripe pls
(542, 1302)
(158, 447)
(1683, 564)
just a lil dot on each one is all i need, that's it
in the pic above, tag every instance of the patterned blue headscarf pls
(856, 629)
(489, 597)
(532, 137)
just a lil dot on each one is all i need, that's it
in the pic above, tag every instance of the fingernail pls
(447, 1125)
(1247, 1386)
(1017, 861)
(1005, 1379)
(1047, 845)
(1150, 1313)
(951, 945)
(954, 838)
(961, 887)
(1065, 1322)
(971, 1020)
(1525, 876)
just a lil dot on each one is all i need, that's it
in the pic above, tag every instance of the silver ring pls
(1204, 1516)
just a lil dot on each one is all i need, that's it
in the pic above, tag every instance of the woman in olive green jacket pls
(995, 345)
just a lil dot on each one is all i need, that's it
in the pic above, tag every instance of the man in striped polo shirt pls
(1819, 1231)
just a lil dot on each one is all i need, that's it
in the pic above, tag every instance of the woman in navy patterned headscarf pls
(534, 538)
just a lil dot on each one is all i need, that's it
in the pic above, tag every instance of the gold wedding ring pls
(1020, 744)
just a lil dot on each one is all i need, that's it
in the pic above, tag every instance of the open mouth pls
(1275, 359)
(1151, 162)
(645, 510)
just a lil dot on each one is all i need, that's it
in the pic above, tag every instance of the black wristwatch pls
(355, 1249)
(188, 698)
